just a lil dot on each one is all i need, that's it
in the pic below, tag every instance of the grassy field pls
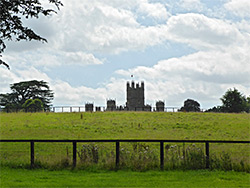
(64, 178)
(123, 125)
(54, 160)
(120, 125)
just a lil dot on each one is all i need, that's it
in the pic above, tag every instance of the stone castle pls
(135, 101)
(135, 96)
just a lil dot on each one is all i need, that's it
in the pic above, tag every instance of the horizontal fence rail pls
(104, 108)
(117, 146)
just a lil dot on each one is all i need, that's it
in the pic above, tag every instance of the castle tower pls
(89, 107)
(111, 106)
(135, 96)
(160, 105)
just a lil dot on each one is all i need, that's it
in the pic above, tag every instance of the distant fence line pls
(104, 108)
(117, 147)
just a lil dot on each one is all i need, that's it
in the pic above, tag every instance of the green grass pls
(14, 157)
(80, 178)
(121, 125)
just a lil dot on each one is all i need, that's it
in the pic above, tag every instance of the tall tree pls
(191, 105)
(28, 90)
(234, 101)
(11, 25)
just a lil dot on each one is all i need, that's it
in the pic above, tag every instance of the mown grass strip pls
(92, 178)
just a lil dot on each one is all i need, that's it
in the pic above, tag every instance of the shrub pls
(88, 153)
(33, 105)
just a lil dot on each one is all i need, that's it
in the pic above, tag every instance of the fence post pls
(32, 155)
(74, 154)
(207, 155)
(117, 159)
(162, 155)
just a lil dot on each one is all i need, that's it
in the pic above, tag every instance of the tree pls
(24, 95)
(9, 102)
(190, 105)
(11, 25)
(234, 101)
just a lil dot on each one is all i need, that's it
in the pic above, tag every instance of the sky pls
(182, 49)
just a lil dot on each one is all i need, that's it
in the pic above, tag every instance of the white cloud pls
(95, 26)
(212, 66)
(239, 7)
(81, 58)
(117, 16)
(14, 75)
(83, 28)
(155, 10)
(7, 77)
(50, 58)
(200, 31)
(243, 26)
(65, 94)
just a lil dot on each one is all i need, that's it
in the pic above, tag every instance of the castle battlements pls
(135, 86)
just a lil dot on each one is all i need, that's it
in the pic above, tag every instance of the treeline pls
(233, 101)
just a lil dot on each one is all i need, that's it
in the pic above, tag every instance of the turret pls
(133, 84)
(142, 85)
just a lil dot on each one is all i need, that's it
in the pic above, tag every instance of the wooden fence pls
(117, 147)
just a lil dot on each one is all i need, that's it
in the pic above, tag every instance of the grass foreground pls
(14, 157)
(126, 125)
(10, 177)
